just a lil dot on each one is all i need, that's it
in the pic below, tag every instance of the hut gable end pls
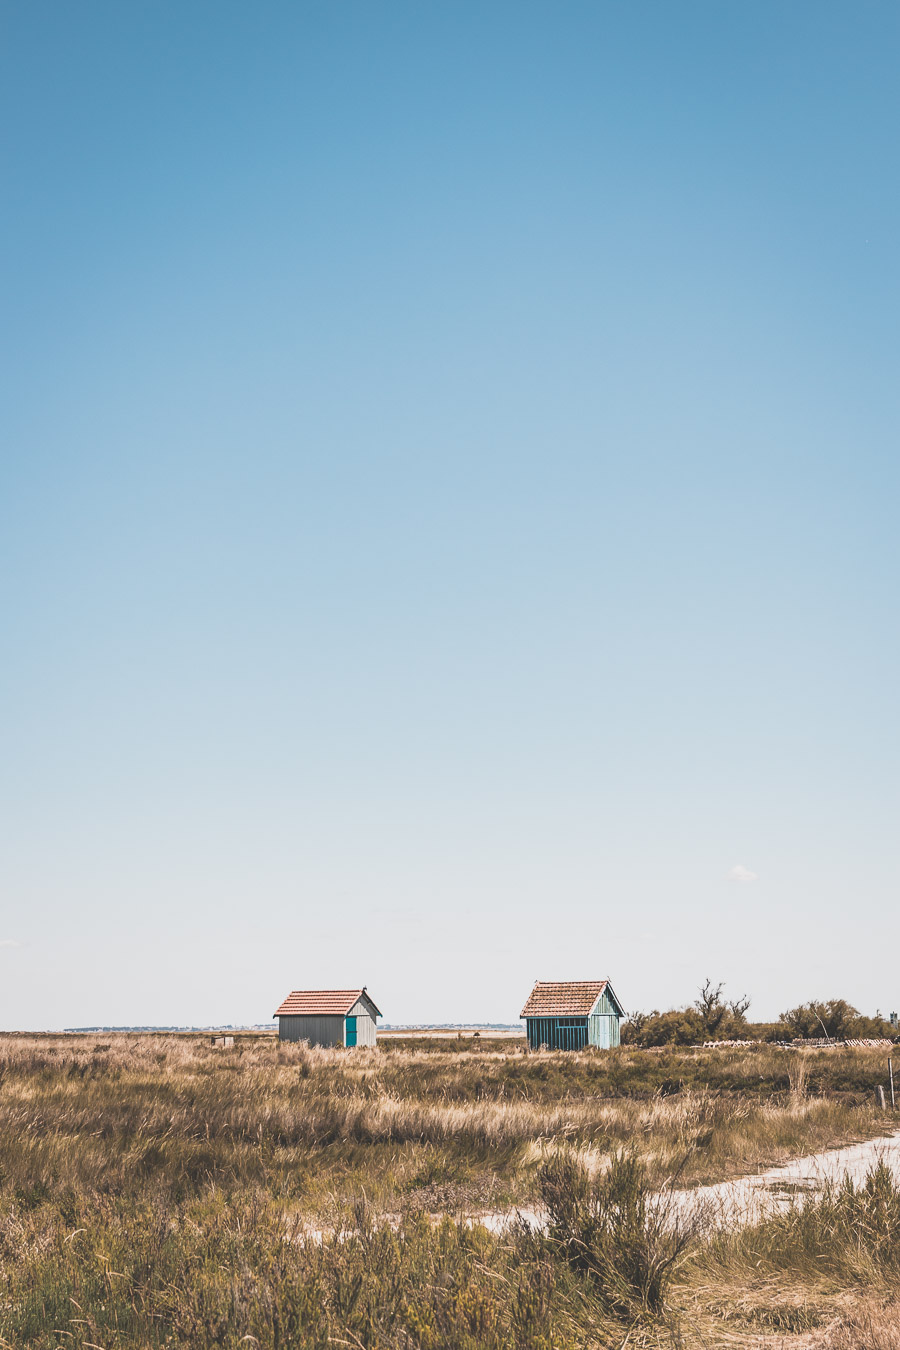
(364, 1007)
(608, 1005)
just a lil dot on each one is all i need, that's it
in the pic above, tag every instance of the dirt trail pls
(747, 1200)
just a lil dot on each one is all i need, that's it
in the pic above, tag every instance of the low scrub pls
(628, 1240)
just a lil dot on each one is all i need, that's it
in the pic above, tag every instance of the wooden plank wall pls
(316, 1030)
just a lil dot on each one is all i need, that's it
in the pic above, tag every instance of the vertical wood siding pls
(316, 1030)
(329, 1030)
(557, 1033)
(572, 1033)
(603, 1031)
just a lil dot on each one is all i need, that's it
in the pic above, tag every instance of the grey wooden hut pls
(328, 1017)
(570, 1014)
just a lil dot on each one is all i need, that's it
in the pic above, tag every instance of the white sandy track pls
(727, 1204)
(748, 1200)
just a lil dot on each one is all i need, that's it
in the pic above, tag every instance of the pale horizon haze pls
(448, 505)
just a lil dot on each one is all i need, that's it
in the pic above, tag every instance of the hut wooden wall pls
(316, 1030)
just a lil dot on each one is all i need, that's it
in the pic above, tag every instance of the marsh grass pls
(315, 1128)
(848, 1230)
(872, 1324)
(155, 1191)
(830, 1264)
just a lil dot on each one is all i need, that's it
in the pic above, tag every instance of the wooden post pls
(891, 1072)
(881, 1101)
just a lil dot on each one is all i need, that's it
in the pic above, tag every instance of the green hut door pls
(351, 1031)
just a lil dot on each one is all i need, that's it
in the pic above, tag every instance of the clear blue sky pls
(448, 504)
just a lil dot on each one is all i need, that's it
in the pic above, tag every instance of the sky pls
(448, 495)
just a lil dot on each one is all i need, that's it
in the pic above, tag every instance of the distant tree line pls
(712, 1017)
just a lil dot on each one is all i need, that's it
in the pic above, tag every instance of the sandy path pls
(750, 1199)
(728, 1204)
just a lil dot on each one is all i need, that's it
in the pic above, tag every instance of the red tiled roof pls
(563, 998)
(321, 1002)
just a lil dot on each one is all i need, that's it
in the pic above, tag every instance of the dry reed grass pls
(263, 1110)
(872, 1324)
(154, 1190)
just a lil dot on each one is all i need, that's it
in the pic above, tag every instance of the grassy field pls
(155, 1191)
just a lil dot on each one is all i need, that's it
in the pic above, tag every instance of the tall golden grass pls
(157, 1191)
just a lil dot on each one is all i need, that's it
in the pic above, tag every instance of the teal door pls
(351, 1031)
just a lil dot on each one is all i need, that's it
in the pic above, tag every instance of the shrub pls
(710, 1018)
(613, 1229)
(834, 1018)
(722, 1020)
(679, 1026)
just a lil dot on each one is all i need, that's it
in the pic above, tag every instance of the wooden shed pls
(328, 1017)
(570, 1014)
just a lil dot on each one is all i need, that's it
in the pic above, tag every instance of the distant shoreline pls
(501, 1029)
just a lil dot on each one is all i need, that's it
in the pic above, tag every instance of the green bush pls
(613, 1229)
(679, 1026)
(709, 1018)
(835, 1018)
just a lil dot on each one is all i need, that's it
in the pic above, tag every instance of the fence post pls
(881, 1101)
(891, 1072)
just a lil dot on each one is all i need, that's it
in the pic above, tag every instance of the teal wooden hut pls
(570, 1014)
